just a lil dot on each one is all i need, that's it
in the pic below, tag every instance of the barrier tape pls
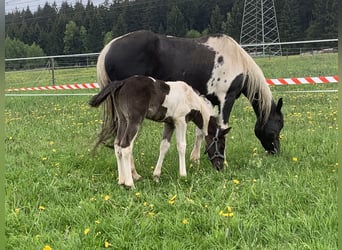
(279, 81)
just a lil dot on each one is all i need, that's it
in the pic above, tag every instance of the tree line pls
(78, 28)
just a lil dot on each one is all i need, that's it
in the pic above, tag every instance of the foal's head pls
(215, 143)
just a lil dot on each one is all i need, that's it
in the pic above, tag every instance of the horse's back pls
(131, 54)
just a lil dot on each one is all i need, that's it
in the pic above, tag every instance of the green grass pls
(55, 189)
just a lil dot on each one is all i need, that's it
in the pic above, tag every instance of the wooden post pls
(53, 70)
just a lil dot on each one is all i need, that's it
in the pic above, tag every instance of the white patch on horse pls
(226, 48)
(154, 80)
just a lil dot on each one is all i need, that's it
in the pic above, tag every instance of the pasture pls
(60, 196)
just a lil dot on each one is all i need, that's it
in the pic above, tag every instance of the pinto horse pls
(174, 104)
(216, 66)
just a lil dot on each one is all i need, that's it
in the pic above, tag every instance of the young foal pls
(173, 104)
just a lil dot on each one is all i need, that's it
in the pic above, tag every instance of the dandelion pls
(107, 244)
(151, 213)
(294, 159)
(172, 200)
(106, 197)
(236, 181)
(145, 203)
(54, 150)
(17, 210)
(185, 221)
(86, 231)
(51, 143)
(137, 194)
(41, 208)
(44, 158)
(47, 247)
(97, 221)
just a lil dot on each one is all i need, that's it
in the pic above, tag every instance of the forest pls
(83, 28)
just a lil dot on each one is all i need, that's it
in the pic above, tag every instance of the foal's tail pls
(110, 88)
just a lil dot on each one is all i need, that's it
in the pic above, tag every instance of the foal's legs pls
(195, 153)
(164, 147)
(181, 144)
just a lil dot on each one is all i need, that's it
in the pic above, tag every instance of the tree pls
(324, 20)
(15, 48)
(227, 26)
(74, 38)
(288, 21)
(175, 22)
(216, 20)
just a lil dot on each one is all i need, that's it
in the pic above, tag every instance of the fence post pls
(53, 70)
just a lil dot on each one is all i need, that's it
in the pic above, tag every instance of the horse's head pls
(269, 133)
(215, 146)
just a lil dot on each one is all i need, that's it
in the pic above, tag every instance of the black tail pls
(110, 88)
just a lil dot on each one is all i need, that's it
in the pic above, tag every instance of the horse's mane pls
(253, 78)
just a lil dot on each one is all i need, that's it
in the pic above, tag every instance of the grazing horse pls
(216, 66)
(174, 104)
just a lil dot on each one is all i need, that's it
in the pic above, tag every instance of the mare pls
(216, 66)
(174, 104)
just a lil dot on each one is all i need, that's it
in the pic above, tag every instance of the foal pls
(174, 104)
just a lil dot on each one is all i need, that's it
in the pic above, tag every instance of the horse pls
(216, 66)
(174, 104)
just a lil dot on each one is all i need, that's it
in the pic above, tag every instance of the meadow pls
(59, 196)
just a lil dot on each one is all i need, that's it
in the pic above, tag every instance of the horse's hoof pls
(156, 178)
(137, 177)
(129, 186)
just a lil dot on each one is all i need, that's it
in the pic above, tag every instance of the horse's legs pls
(164, 147)
(127, 143)
(122, 124)
(181, 145)
(195, 153)
(135, 174)
(126, 169)
(118, 155)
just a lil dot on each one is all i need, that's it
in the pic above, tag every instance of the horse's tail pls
(108, 129)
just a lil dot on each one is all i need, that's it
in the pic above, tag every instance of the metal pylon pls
(259, 26)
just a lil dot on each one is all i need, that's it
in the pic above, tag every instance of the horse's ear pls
(225, 131)
(280, 104)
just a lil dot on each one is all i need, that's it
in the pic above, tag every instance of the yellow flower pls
(236, 181)
(97, 221)
(107, 244)
(41, 208)
(17, 210)
(47, 247)
(229, 209)
(86, 231)
(151, 214)
(294, 159)
(51, 143)
(172, 200)
(185, 221)
(106, 197)
(137, 194)
(145, 203)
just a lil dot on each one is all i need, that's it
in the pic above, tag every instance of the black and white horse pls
(216, 66)
(174, 104)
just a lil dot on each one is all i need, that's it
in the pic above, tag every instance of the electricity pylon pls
(259, 26)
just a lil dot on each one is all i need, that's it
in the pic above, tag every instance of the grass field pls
(59, 196)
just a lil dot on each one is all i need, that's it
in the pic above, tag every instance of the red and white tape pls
(279, 81)
(302, 80)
